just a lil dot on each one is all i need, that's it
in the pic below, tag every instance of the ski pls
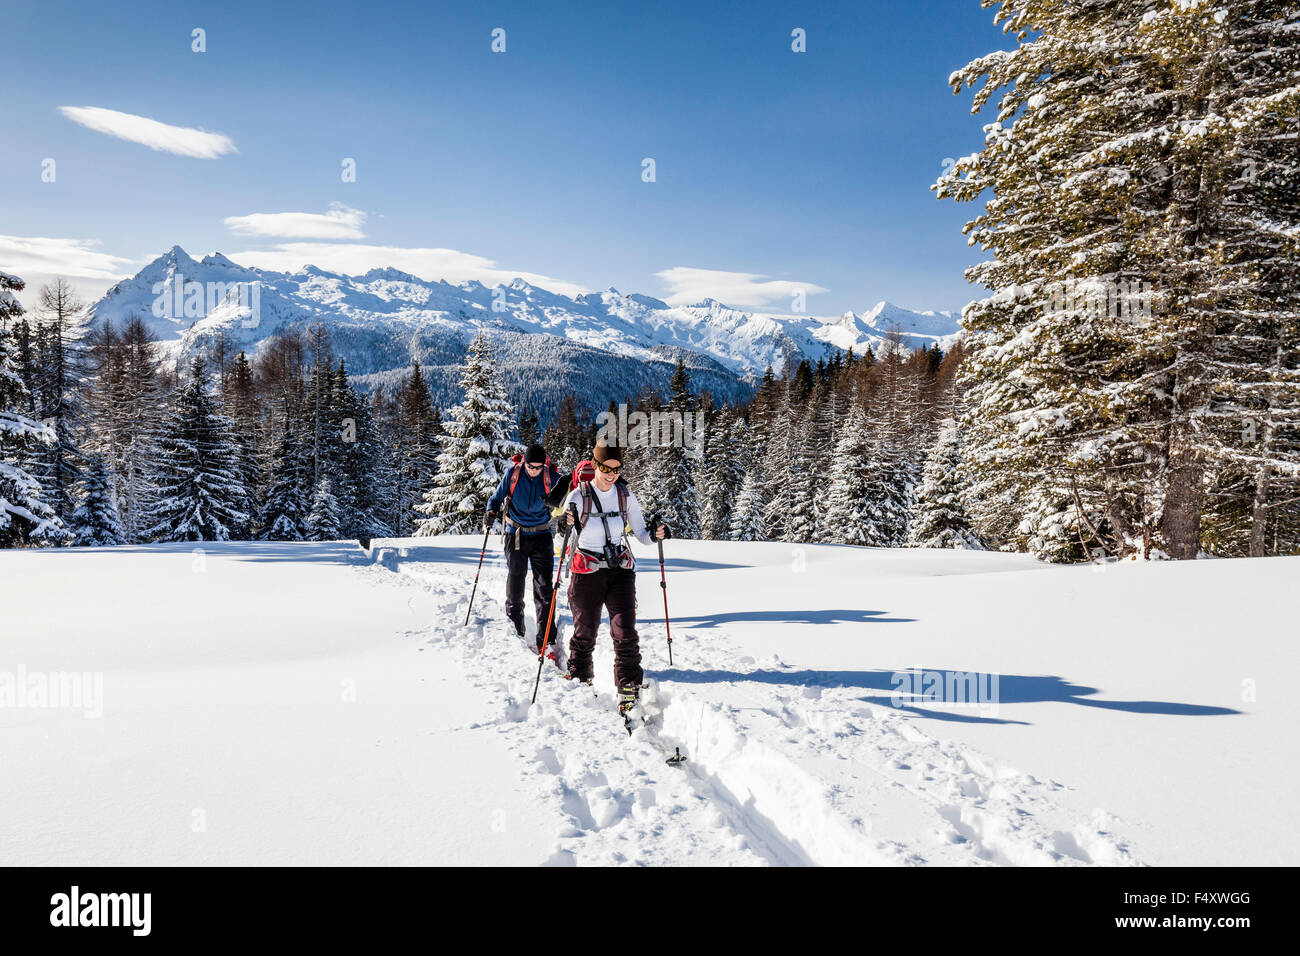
(643, 713)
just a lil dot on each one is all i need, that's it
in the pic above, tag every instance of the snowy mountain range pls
(609, 342)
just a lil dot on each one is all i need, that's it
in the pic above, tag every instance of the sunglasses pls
(606, 470)
(532, 467)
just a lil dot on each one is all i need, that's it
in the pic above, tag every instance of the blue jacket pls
(528, 505)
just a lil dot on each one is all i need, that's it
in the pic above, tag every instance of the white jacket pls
(592, 537)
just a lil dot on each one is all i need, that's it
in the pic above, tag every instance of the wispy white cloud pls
(341, 222)
(74, 258)
(37, 261)
(429, 264)
(181, 140)
(689, 285)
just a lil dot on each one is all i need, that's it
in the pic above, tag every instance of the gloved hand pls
(559, 492)
(490, 519)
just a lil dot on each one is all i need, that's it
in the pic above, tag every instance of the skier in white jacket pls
(603, 577)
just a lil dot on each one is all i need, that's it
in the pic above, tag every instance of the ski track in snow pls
(776, 774)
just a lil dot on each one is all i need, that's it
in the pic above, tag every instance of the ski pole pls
(486, 531)
(469, 609)
(550, 616)
(663, 583)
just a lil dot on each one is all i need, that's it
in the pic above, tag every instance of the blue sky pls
(807, 169)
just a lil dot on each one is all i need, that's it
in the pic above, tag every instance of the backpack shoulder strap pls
(622, 507)
(514, 480)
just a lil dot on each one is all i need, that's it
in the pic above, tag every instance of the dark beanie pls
(605, 451)
(535, 455)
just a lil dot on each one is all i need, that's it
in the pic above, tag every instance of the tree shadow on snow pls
(1010, 689)
(461, 555)
(294, 552)
(684, 564)
(809, 616)
(444, 554)
(302, 552)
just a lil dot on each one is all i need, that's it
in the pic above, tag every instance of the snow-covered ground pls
(267, 703)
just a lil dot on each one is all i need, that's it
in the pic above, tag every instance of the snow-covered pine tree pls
(239, 397)
(1054, 529)
(22, 354)
(640, 457)
(474, 450)
(10, 308)
(807, 467)
(287, 502)
(807, 464)
(1148, 147)
(899, 423)
(25, 517)
(528, 426)
(782, 439)
(922, 423)
(939, 518)
(338, 436)
(698, 447)
(372, 465)
(890, 469)
(722, 474)
(765, 406)
(671, 494)
(415, 442)
(822, 459)
(747, 521)
(849, 514)
(124, 400)
(358, 456)
(833, 409)
(320, 395)
(59, 377)
(323, 523)
(96, 523)
(200, 494)
(801, 383)
(892, 487)
(568, 433)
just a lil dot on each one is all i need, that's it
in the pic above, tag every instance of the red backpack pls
(584, 470)
(517, 461)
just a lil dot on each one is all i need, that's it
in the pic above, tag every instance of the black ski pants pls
(614, 590)
(538, 552)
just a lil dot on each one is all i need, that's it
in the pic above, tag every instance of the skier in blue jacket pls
(526, 485)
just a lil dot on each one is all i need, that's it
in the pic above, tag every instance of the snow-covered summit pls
(885, 316)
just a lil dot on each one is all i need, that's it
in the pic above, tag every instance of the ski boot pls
(628, 697)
